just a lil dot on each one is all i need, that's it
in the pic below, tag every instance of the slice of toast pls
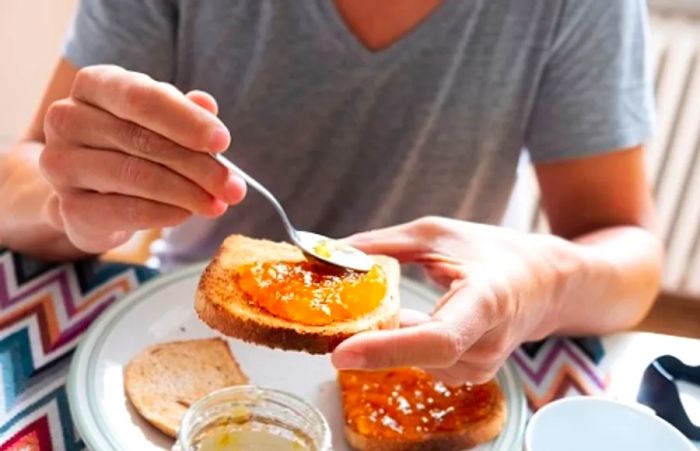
(224, 306)
(491, 406)
(166, 378)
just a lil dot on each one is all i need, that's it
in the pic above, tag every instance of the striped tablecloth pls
(44, 309)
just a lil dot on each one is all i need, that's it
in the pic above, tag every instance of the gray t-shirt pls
(349, 139)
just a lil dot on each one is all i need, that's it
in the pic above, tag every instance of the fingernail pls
(219, 139)
(348, 360)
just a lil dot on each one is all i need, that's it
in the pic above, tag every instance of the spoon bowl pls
(318, 247)
(333, 252)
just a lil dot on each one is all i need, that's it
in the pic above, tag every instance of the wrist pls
(568, 267)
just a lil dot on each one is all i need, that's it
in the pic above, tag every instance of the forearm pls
(24, 195)
(609, 281)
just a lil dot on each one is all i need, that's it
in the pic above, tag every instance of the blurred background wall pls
(31, 34)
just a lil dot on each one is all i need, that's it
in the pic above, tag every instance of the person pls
(361, 115)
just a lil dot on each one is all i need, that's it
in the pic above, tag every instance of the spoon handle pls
(291, 231)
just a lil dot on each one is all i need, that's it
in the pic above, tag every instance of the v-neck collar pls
(420, 36)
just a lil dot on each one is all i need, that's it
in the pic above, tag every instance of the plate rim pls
(92, 432)
(89, 429)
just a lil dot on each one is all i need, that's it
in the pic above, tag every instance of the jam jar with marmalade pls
(250, 418)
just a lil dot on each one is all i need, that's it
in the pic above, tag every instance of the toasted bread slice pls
(465, 439)
(489, 424)
(222, 305)
(165, 379)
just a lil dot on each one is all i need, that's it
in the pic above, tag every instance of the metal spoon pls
(314, 245)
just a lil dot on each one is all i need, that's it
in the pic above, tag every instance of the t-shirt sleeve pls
(595, 94)
(138, 35)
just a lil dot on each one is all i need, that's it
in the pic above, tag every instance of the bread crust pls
(221, 304)
(468, 437)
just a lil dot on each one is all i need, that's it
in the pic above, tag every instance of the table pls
(45, 307)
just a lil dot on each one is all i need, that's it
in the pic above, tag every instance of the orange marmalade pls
(409, 404)
(312, 294)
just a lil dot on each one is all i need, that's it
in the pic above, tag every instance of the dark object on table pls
(658, 390)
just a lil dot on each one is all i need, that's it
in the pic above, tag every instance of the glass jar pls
(251, 418)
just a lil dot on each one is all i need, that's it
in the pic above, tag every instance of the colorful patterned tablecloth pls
(44, 309)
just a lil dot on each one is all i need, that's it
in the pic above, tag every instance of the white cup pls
(587, 423)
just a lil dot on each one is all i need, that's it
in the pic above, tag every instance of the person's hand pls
(125, 152)
(500, 289)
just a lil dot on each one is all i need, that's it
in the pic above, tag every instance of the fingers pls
(111, 218)
(439, 343)
(445, 273)
(465, 372)
(413, 241)
(236, 186)
(125, 152)
(397, 241)
(156, 106)
(409, 317)
(469, 307)
(431, 344)
(105, 171)
(480, 362)
(446, 361)
(116, 212)
(65, 123)
(204, 99)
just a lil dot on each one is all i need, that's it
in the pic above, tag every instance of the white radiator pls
(673, 155)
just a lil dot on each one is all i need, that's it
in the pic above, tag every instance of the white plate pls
(162, 310)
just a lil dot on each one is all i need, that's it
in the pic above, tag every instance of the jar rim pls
(256, 390)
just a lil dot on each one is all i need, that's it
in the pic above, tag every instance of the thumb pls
(459, 321)
(204, 99)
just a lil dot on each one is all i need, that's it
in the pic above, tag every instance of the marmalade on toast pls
(310, 294)
(409, 404)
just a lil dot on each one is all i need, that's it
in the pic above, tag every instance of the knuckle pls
(133, 171)
(53, 164)
(140, 96)
(429, 226)
(91, 75)
(58, 118)
(85, 76)
(449, 348)
(497, 300)
(49, 160)
(501, 296)
(139, 139)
